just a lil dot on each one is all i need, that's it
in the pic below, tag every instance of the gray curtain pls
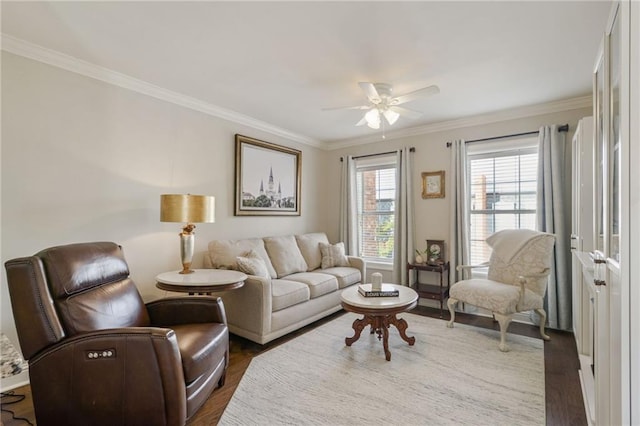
(348, 207)
(553, 216)
(459, 224)
(404, 217)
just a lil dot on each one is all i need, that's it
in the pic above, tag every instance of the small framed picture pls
(435, 251)
(433, 184)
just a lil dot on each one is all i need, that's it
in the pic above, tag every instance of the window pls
(502, 190)
(376, 194)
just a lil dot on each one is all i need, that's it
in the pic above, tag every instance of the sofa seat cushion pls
(494, 296)
(285, 293)
(319, 284)
(201, 347)
(345, 275)
(309, 245)
(285, 255)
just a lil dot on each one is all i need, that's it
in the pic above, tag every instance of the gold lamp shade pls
(187, 209)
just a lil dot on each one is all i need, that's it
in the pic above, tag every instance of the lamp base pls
(187, 242)
(186, 269)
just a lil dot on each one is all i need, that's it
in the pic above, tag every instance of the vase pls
(419, 259)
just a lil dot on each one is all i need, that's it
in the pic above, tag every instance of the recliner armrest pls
(128, 375)
(186, 310)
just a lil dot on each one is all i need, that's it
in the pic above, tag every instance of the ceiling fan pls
(383, 104)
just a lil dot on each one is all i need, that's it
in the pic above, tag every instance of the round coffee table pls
(380, 313)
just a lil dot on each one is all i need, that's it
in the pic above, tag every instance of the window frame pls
(382, 162)
(517, 147)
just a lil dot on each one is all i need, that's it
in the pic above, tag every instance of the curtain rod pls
(562, 128)
(412, 149)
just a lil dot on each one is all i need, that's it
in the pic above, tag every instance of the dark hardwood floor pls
(564, 405)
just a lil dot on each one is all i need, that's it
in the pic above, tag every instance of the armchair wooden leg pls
(504, 321)
(543, 321)
(451, 304)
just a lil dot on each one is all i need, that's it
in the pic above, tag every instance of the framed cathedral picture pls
(268, 178)
(433, 184)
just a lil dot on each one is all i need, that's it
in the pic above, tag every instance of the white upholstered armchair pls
(516, 280)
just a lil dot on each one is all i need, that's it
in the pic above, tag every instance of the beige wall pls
(432, 215)
(83, 160)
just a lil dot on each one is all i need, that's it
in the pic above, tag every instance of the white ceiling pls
(282, 62)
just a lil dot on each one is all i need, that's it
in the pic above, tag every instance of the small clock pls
(435, 249)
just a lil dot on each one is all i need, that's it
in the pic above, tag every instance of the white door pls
(611, 353)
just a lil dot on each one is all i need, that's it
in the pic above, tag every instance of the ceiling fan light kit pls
(372, 117)
(383, 104)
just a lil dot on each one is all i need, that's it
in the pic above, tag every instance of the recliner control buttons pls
(105, 353)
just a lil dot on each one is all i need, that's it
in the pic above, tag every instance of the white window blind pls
(376, 193)
(502, 189)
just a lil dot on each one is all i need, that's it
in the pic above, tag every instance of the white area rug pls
(449, 377)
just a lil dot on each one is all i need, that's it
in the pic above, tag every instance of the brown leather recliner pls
(98, 355)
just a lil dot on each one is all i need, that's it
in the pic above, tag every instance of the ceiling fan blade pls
(362, 107)
(420, 93)
(362, 122)
(370, 90)
(406, 112)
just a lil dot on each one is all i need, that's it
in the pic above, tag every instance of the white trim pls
(52, 57)
(477, 120)
(379, 266)
(15, 381)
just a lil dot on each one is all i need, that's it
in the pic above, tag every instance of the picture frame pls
(268, 178)
(435, 250)
(433, 184)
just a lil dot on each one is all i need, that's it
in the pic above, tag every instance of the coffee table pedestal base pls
(380, 324)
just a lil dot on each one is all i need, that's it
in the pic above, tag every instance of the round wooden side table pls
(201, 281)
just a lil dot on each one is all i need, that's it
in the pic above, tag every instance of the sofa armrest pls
(186, 310)
(359, 263)
(249, 307)
(108, 372)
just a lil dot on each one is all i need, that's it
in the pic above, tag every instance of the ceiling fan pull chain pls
(383, 129)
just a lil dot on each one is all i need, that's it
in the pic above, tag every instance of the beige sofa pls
(292, 281)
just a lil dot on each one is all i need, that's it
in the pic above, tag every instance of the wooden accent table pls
(430, 291)
(380, 313)
(201, 281)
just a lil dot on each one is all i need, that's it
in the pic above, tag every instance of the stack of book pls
(387, 290)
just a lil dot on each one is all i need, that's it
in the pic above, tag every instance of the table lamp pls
(187, 209)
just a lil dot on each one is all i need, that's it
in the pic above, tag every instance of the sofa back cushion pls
(285, 255)
(223, 253)
(309, 245)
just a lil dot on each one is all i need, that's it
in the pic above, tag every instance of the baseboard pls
(15, 381)
(587, 384)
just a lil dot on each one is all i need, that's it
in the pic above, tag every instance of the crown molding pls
(57, 59)
(60, 60)
(476, 120)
